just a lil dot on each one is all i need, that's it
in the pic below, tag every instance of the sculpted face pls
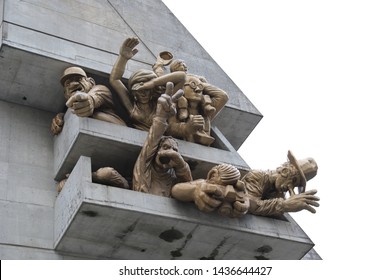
(76, 83)
(142, 96)
(287, 179)
(193, 89)
(168, 148)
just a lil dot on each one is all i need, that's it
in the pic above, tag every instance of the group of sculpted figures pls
(182, 105)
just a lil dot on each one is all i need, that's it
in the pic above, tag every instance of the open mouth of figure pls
(164, 160)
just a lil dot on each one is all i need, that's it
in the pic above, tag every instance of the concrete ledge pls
(109, 223)
(117, 146)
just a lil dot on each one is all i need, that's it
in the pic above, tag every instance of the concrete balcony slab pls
(117, 146)
(104, 222)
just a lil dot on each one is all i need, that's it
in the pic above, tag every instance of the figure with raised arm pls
(159, 165)
(143, 89)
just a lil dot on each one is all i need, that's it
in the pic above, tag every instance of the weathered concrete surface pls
(117, 146)
(89, 34)
(112, 223)
(27, 188)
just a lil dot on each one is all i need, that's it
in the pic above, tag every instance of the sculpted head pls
(166, 148)
(138, 77)
(178, 65)
(295, 173)
(193, 88)
(75, 79)
(224, 174)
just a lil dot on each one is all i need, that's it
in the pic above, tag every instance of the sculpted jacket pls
(145, 176)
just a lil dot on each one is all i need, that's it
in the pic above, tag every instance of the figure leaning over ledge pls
(159, 165)
(222, 191)
(264, 190)
(85, 99)
(267, 189)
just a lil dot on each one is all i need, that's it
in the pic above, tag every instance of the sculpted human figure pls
(144, 87)
(159, 165)
(264, 190)
(199, 105)
(221, 190)
(105, 175)
(85, 99)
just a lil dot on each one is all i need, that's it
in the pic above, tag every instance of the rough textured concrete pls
(89, 137)
(112, 223)
(89, 34)
(27, 188)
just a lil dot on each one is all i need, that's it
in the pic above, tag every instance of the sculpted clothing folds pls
(146, 178)
(264, 200)
(104, 105)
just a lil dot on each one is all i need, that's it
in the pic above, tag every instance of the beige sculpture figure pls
(85, 99)
(264, 190)
(267, 189)
(144, 87)
(222, 191)
(106, 176)
(198, 106)
(159, 165)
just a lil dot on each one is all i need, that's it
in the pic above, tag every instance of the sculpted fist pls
(81, 104)
(203, 197)
(195, 123)
(57, 124)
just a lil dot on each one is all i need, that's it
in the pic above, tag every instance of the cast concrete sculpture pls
(106, 176)
(159, 165)
(144, 87)
(85, 99)
(199, 105)
(264, 190)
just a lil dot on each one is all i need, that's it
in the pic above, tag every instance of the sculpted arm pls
(279, 206)
(199, 191)
(177, 78)
(219, 98)
(127, 51)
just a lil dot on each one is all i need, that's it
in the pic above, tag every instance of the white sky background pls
(319, 72)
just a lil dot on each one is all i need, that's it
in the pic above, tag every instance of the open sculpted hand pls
(302, 201)
(128, 49)
(81, 104)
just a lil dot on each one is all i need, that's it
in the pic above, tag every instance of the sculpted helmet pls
(72, 71)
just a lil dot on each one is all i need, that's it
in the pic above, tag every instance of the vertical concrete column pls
(70, 198)
(1, 21)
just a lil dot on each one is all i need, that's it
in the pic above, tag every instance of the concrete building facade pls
(39, 39)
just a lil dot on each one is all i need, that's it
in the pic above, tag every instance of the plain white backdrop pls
(319, 72)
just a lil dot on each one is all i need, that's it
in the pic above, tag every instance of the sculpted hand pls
(57, 124)
(166, 102)
(171, 159)
(203, 197)
(81, 104)
(195, 123)
(128, 48)
(301, 201)
(240, 207)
